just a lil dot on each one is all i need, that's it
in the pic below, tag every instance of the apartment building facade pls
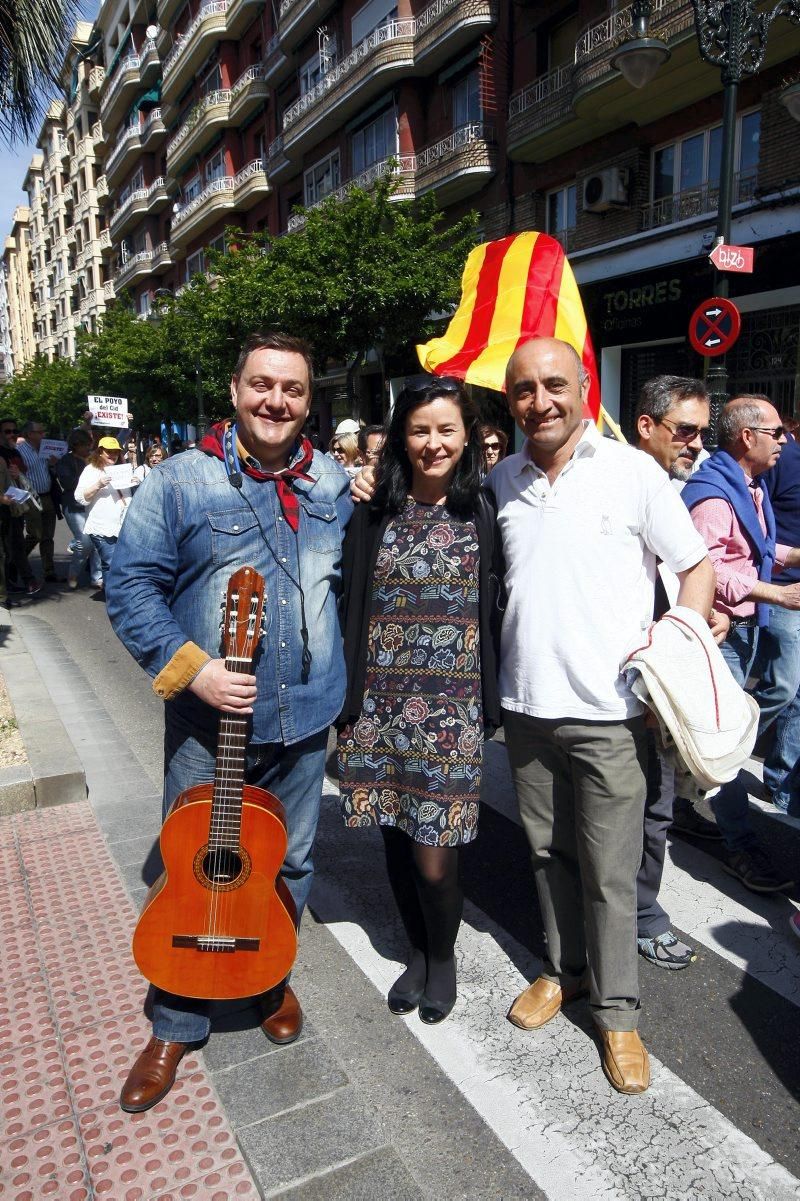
(207, 113)
(18, 310)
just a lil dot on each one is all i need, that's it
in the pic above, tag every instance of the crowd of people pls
(425, 588)
(74, 486)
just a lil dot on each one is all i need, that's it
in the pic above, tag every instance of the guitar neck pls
(226, 808)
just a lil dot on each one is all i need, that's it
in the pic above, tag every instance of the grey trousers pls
(653, 918)
(581, 788)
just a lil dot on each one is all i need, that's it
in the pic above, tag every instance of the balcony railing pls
(596, 43)
(96, 77)
(113, 85)
(379, 37)
(154, 118)
(404, 166)
(105, 239)
(131, 136)
(543, 91)
(250, 171)
(108, 290)
(457, 140)
(226, 183)
(221, 96)
(135, 197)
(695, 202)
(213, 8)
(254, 72)
(275, 148)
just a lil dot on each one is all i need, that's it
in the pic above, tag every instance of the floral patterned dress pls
(413, 758)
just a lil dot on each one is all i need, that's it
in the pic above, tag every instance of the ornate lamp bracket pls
(733, 36)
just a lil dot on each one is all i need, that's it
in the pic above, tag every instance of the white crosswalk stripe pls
(543, 1093)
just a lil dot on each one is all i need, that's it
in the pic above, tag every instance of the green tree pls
(33, 36)
(53, 393)
(129, 357)
(365, 271)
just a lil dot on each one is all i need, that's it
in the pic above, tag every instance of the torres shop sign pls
(632, 306)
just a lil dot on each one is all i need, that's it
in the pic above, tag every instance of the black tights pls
(426, 886)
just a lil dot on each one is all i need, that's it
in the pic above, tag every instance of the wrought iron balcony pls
(118, 89)
(250, 184)
(216, 197)
(191, 47)
(458, 164)
(447, 26)
(695, 202)
(598, 43)
(403, 168)
(140, 265)
(249, 90)
(389, 48)
(128, 146)
(210, 113)
(153, 129)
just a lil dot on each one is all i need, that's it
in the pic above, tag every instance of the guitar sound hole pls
(222, 867)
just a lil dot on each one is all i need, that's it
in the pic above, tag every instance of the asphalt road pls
(724, 1031)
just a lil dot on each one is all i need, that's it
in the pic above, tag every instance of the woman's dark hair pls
(394, 467)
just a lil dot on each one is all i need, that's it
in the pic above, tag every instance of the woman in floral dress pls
(421, 609)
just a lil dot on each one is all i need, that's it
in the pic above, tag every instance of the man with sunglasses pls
(734, 515)
(672, 416)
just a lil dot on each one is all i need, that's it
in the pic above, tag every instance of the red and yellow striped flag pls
(514, 289)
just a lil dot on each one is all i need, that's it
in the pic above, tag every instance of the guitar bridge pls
(215, 942)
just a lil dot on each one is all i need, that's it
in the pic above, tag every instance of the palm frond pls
(33, 39)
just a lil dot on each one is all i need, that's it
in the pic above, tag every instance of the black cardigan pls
(361, 546)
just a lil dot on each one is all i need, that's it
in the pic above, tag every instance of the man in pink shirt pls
(734, 516)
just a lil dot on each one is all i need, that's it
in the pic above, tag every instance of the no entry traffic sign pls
(714, 326)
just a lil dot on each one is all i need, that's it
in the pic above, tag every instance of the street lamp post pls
(733, 36)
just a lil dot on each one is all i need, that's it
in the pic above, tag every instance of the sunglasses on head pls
(422, 383)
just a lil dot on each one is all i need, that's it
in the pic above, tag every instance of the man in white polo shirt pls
(582, 520)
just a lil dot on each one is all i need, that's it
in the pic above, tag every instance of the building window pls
(467, 101)
(194, 265)
(144, 304)
(218, 244)
(562, 213)
(685, 173)
(191, 189)
(374, 143)
(215, 167)
(321, 179)
(371, 16)
(212, 81)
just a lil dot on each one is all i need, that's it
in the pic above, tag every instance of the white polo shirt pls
(580, 574)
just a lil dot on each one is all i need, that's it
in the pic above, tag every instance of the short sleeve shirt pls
(580, 574)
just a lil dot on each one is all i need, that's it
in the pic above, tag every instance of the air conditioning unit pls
(606, 190)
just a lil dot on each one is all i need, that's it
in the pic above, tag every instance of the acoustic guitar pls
(219, 923)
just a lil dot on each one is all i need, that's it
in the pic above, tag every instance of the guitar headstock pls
(242, 622)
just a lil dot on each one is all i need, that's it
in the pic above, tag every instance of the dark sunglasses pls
(9, 431)
(491, 445)
(683, 431)
(776, 432)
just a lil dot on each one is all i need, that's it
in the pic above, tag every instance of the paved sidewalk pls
(71, 1019)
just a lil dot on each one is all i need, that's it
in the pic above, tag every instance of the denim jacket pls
(188, 529)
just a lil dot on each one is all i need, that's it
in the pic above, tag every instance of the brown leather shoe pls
(284, 1019)
(625, 1061)
(540, 1003)
(152, 1076)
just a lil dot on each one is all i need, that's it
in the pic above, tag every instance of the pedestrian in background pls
(344, 449)
(106, 504)
(422, 687)
(69, 469)
(152, 457)
(495, 444)
(40, 520)
(370, 441)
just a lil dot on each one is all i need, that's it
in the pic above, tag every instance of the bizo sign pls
(110, 411)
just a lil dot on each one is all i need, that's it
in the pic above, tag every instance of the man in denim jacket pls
(255, 493)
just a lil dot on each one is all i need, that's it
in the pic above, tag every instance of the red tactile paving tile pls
(180, 1140)
(19, 953)
(44, 855)
(45, 1163)
(33, 1087)
(75, 894)
(98, 1059)
(54, 822)
(231, 1183)
(24, 1011)
(16, 909)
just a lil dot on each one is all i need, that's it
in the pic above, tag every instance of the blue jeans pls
(105, 549)
(778, 696)
(82, 548)
(731, 806)
(294, 774)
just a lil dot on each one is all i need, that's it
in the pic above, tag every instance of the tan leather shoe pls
(152, 1075)
(625, 1061)
(284, 1019)
(540, 1003)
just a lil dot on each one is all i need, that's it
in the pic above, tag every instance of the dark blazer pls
(360, 551)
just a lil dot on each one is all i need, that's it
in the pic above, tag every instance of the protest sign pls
(120, 475)
(52, 448)
(109, 411)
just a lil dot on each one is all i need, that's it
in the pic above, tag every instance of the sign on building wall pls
(109, 410)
